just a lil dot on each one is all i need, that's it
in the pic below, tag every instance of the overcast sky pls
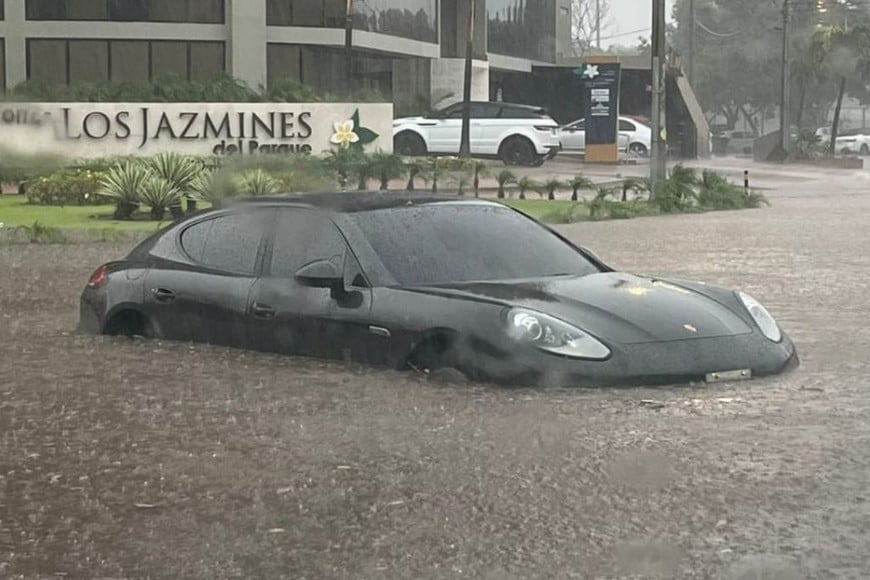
(628, 20)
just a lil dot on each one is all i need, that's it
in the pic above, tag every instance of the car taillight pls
(98, 278)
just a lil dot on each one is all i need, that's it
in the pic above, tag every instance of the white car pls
(854, 143)
(517, 134)
(638, 135)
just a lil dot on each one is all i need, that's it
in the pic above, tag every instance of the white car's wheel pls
(638, 149)
(517, 150)
(409, 143)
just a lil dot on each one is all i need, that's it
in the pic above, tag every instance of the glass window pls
(232, 243)
(303, 237)
(87, 10)
(129, 61)
(130, 10)
(279, 13)
(46, 10)
(282, 62)
(167, 10)
(429, 244)
(416, 19)
(193, 239)
(206, 11)
(626, 125)
(46, 61)
(2, 64)
(88, 61)
(522, 113)
(206, 60)
(169, 58)
(306, 12)
(522, 28)
(2, 8)
(485, 111)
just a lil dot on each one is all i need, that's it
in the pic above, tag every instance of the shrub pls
(257, 182)
(41, 234)
(551, 186)
(577, 183)
(19, 168)
(159, 195)
(504, 178)
(180, 171)
(124, 184)
(214, 187)
(72, 187)
(386, 167)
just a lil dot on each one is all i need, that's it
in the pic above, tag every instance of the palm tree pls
(577, 183)
(525, 184)
(504, 178)
(124, 184)
(551, 186)
(479, 169)
(386, 167)
(415, 169)
(159, 194)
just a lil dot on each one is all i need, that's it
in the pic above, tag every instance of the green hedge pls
(222, 88)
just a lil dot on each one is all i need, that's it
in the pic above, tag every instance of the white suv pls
(517, 134)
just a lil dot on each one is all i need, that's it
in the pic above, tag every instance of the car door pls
(288, 317)
(486, 128)
(573, 137)
(206, 299)
(444, 137)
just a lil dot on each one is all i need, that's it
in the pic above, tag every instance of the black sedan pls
(427, 283)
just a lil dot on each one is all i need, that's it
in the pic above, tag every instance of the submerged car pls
(412, 281)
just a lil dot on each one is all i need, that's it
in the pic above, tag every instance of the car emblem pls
(690, 328)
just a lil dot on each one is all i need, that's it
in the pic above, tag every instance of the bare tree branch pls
(584, 23)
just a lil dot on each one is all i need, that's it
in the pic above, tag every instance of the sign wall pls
(107, 129)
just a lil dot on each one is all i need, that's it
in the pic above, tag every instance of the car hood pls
(614, 306)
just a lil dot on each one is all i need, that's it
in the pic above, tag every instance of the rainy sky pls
(628, 20)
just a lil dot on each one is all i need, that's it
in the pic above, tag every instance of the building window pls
(522, 28)
(198, 11)
(2, 62)
(61, 62)
(414, 19)
(323, 69)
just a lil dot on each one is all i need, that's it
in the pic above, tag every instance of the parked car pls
(412, 281)
(738, 142)
(853, 142)
(637, 135)
(517, 134)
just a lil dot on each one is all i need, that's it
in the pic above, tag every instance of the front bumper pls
(676, 362)
(552, 151)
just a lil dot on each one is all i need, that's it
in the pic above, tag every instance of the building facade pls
(410, 51)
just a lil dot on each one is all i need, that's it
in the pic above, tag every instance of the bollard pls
(746, 181)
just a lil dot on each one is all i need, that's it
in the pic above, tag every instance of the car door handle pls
(163, 295)
(262, 310)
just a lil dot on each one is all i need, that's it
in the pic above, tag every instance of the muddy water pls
(134, 459)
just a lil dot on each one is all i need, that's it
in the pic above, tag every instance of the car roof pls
(354, 202)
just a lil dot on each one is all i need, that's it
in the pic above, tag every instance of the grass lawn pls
(15, 211)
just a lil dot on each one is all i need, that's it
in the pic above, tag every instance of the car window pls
(578, 125)
(460, 243)
(303, 237)
(626, 125)
(485, 111)
(521, 113)
(229, 243)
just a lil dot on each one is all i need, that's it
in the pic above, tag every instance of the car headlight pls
(762, 317)
(553, 335)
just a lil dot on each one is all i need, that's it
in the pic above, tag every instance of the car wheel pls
(638, 149)
(130, 323)
(435, 358)
(865, 149)
(410, 144)
(517, 151)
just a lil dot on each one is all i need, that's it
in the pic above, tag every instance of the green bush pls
(71, 187)
(18, 168)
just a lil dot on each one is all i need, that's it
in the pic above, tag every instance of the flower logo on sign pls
(351, 133)
(591, 71)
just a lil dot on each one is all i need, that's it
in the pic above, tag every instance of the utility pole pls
(658, 155)
(692, 25)
(465, 139)
(348, 48)
(785, 101)
(598, 24)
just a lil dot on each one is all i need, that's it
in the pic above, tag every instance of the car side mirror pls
(321, 274)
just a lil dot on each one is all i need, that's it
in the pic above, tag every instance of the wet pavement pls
(141, 459)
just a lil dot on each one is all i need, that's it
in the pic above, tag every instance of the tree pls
(585, 17)
(737, 54)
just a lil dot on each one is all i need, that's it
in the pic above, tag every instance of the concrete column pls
(246, 49)
(447, 78)
(16, 45)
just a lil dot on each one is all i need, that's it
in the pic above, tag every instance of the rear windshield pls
(442, 243)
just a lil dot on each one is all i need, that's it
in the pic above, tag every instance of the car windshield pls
(449, 242)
